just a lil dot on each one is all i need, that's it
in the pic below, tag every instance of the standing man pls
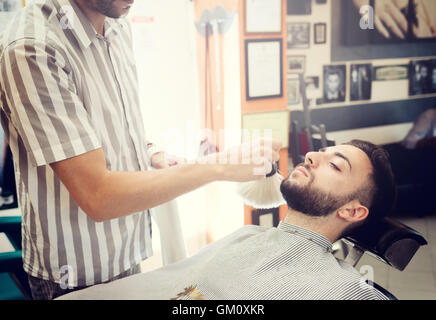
(70, 110)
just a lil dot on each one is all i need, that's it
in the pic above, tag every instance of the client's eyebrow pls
(340, 155)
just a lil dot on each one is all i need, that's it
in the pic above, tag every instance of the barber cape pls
(287, 262)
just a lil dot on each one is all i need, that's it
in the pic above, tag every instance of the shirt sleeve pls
(43, 103)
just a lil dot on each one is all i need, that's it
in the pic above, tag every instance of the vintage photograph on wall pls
(320, 33)
(360, 82)
(312, 87)
(293, 90)
(298, 35)
(390, 72)
(422, 75)
(296, 64)
(334, 83)
(299, 7)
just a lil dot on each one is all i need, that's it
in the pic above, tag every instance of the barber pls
(70, 109)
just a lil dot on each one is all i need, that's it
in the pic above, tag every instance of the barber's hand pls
(161, 160)
(388, 18)
(249, 161)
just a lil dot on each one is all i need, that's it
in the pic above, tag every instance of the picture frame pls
(265, 217)
(264, 68)
(293, 91)
(263, 124)
(360, 81)
(390, 72)
(263, 16)
(320, 33)
(335, 83)
(298, 35)
(298, 7)
(422, 77)
(296, 64)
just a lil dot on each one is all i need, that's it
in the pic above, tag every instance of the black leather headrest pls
(390, 240)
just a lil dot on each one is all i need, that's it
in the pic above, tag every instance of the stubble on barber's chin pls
(310, 200)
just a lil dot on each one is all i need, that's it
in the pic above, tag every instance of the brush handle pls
(273, 170)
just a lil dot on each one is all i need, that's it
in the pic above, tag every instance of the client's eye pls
(334, 166)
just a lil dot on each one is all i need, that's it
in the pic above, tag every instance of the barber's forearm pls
(123, 193)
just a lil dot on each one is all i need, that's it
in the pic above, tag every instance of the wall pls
(263, 105)
(382, 91)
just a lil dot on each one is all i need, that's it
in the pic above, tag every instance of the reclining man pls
(334, 191)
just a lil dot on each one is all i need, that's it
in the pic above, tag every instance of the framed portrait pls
(422, 77)
(296, 64)
(293, 91)
(390, 73)
(360, 82)
(263, 16)
(264, 65)
(312, 87)
(265, 217)
(334, 83)
(298, 35)
(320, 33)
(298, 7)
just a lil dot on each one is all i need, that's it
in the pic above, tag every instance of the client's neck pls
(321, 225)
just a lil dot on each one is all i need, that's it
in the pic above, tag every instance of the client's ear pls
(353, 211)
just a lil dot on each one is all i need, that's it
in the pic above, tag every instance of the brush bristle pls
(262, 194)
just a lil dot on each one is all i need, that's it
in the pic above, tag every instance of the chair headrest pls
(390, 240)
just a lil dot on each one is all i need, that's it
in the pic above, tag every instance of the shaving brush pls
(264, 193)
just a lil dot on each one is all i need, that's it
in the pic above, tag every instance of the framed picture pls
(334, 83)
(293, 91)
(298, 7)
(360, 82)
(263, 16)
(312, 87)
(390, 73)
(320, 33)
(298, 35)
(422, 77)
(264, 65)
(296, 64)
(265, 217)
(271, 124)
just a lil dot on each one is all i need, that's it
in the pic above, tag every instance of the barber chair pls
(388, 241)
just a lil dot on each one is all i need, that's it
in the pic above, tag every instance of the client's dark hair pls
(379, 195)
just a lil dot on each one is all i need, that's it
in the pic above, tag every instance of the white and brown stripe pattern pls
(253, 263)
(65, 91)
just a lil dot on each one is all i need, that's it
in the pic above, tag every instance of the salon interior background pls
(171, 58)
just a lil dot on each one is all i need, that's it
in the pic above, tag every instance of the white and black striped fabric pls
(284, 263)
(65, 90)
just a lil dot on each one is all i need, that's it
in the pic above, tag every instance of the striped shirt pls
(284, 263)
(65, 90)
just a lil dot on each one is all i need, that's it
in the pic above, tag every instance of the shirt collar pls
(310, 235)
(71, 16)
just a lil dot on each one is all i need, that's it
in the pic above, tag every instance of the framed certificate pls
(272, 124)
(264, 66)
(263, 16)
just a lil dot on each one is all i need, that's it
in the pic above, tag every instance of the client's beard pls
(310, 200)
